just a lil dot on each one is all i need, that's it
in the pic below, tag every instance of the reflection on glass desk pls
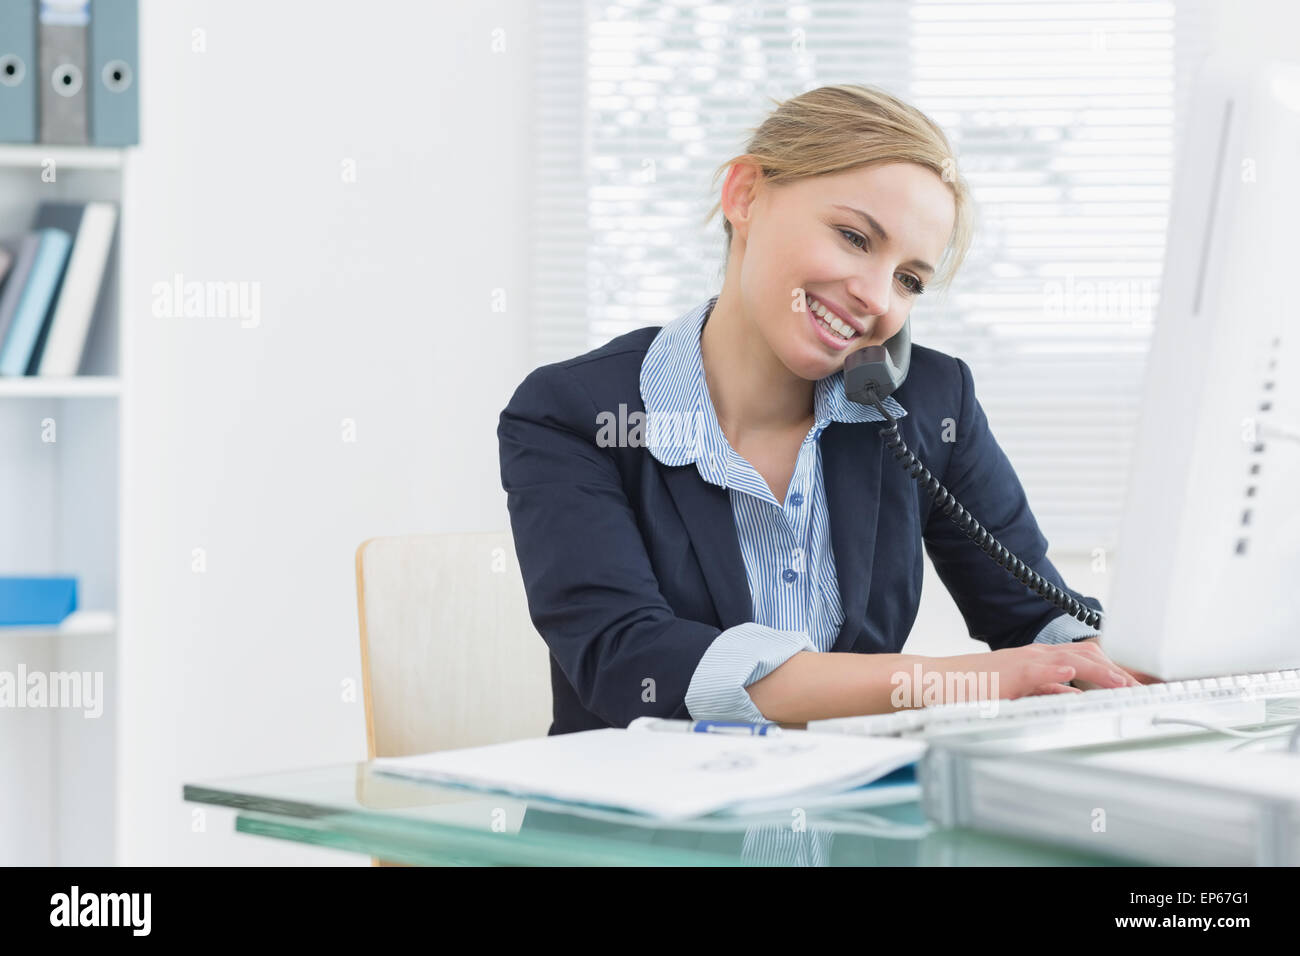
(349, 807)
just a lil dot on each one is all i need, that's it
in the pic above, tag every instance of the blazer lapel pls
(851, 463)
(706, 512)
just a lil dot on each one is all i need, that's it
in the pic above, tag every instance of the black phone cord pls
(964, 520)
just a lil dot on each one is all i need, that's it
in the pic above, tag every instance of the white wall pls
(375, 299)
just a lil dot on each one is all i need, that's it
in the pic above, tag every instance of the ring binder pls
(114, 97)
(17, 73)
(63, 94)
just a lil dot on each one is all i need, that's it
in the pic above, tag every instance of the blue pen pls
(737, 727)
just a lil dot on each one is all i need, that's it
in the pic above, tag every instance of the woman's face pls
(805, 239)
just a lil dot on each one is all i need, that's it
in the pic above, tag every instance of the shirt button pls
(789, 575)
(796, 499)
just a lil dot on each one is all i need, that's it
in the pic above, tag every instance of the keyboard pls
(1094, 716)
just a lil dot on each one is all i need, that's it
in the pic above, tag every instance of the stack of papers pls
(670, 776)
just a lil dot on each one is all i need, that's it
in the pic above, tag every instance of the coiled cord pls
(963, 519)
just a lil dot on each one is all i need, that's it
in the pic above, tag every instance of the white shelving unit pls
(74, 157)
(60, 507)
(82, 386)
(78, 623)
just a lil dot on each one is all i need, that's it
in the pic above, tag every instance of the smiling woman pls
(770, 567)
(835, 129)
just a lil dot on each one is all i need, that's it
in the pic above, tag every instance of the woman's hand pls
(1138, 676)
(1045, 668)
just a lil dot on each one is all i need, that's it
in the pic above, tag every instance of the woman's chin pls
(810, 364)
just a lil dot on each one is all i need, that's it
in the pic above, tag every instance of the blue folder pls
(36, 601)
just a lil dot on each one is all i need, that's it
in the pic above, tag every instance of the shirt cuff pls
(738, 657)
(1064, 629)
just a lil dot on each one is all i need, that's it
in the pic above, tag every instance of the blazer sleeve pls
(592, 593)
(997, 608)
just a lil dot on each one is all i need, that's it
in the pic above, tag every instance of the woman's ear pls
(739, 192)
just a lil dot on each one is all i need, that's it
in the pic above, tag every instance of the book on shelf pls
(49, 297)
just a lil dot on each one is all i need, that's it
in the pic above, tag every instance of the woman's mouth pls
(830, 328)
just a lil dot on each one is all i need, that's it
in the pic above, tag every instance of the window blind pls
(1065, 119)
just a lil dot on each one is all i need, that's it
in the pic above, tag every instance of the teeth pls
(839, 335)
(831, 319)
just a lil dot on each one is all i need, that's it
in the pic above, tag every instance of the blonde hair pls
(836, 128)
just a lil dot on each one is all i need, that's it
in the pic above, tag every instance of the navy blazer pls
(632, 567)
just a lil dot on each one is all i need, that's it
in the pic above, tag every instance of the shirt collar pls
(681, 424)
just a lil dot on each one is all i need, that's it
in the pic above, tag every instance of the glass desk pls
(350, 807)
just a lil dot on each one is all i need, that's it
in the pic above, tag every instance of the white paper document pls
(670, 776)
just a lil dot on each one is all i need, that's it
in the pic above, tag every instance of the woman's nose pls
(871, 293)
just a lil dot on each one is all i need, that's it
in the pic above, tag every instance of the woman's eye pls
(850, 232)
(915, 287)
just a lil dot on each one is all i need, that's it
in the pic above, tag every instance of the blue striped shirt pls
(786, 545)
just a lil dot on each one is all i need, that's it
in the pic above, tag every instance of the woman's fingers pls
(1048, 668)
(1092, 665)
(1040, 673)
(1140, 677)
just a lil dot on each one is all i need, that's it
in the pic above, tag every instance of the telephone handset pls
(871, 375)
(884, 366)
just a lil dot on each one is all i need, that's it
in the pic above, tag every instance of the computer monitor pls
(1207, 564)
